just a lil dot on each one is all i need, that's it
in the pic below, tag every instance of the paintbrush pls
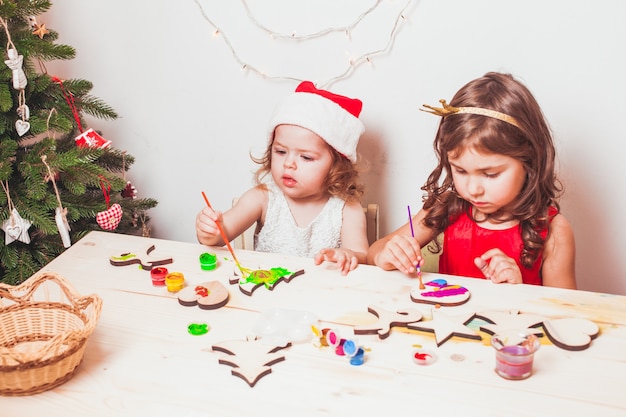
(417, 267)
(225, 238)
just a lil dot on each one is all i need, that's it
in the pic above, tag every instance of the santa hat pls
(332, 117)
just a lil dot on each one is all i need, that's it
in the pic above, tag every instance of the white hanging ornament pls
(22, 127)
(15, 63)
(16, 228)
(63, 226)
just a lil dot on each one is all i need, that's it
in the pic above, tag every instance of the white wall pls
(190, 114)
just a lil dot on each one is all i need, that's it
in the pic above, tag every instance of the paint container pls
(175, 281)
(158, 275)
(333, 338)
(208, 261)
(358, 358)
(515, 351)
(354, 352)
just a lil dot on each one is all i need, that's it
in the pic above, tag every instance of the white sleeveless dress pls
(281, 234)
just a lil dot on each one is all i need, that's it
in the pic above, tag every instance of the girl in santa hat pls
(307, 198)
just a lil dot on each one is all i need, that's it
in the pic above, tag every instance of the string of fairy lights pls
(352, 63)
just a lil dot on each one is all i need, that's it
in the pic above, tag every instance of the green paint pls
(198, 329)
(124, 257)
(266, 277)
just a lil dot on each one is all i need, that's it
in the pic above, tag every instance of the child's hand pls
(206, 227)
(401, 252)
(498, 267)
(345, 259)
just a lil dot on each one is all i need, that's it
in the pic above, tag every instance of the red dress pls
(465, 240)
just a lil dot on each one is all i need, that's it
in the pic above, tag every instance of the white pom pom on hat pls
(332, 117)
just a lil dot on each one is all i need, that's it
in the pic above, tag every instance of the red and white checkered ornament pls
(110, 219)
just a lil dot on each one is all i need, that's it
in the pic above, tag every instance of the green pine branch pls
(44, 169)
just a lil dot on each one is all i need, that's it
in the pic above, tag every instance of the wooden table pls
(142, 361)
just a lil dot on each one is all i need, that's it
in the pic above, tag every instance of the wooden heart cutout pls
(22, 127)
(208, 296)
(109, 219)
(571, 333)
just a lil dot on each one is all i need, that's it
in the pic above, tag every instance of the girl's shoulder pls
(255, 196)
(353, 208)
(560, 223)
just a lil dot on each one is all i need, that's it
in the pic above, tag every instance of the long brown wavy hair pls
(531, 143)
(342, 181)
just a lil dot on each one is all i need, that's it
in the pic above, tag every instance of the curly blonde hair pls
(342, 180)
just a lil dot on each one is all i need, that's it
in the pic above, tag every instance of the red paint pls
(202, 291)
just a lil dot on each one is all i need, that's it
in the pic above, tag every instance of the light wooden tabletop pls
(142, 361)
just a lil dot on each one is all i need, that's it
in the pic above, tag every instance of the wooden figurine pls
(388, 319)
(146, 263)
(251, 359)
(208, 295)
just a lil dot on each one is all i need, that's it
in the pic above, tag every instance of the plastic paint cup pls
(350, 348)
(175, 281)
(158, 275)
(332, 338)
(515, 352)
(358, 358)
(208, 261)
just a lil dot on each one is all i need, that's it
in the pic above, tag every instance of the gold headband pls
(447, 110)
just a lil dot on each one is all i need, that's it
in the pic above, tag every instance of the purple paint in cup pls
(515, 352)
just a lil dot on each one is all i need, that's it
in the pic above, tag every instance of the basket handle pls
(29, 287)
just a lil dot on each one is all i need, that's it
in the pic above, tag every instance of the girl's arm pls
(559, 255)
(353, 250)
(399, 250)
(354, 231)
(248, 210)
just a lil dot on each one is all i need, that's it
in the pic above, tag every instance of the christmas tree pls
(59, 178)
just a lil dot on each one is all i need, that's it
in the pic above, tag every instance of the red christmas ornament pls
(109, 219)
(90, 138)
(129, 191)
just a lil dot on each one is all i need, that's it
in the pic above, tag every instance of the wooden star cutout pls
(444, 327)
(40, 30)
(16, 228)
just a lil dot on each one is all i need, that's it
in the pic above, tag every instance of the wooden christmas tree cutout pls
(251, 359)
(208, 295)
(388, 319)
(268, 278)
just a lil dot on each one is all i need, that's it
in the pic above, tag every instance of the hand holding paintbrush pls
(417, 267)
(244, 271)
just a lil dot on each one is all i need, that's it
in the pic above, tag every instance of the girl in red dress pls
(493, 195)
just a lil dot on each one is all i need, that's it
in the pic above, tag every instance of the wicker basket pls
(44, 324)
